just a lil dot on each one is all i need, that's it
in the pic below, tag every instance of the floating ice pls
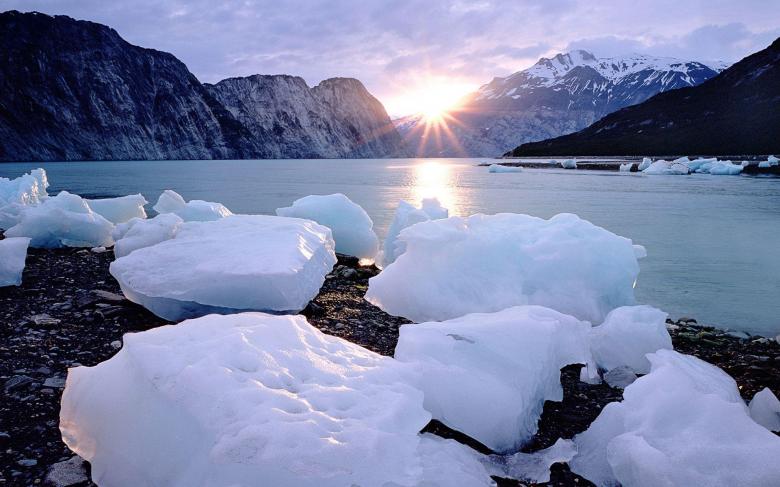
(714, 166)
(498, 168)
(407, 215)
(646, 162)
(240, 262)
(253, 399)
(765, 409)
(532, 467)
(626, 167)
(119, 210)
(192, 211)
(351, 226)
(666, 167)
(15, 194)
(770, 161)
(138, 233)
(682, 424)
(627, 334)
(13, 253)
(486, 263)
(764, 164)
(569, 164)
(488, 374)
(64, 220)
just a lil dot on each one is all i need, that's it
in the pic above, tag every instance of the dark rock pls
(68, 473)
(17, 382)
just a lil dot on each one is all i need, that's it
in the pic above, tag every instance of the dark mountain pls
(736, 112)
(554, 97)
(75, 90)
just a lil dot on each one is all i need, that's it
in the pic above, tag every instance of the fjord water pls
(711, 240)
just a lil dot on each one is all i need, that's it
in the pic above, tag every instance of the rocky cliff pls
(75, 90)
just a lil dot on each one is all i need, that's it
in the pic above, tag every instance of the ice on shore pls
(485, 263)
(488, 374)
(15, 194)
(684, 423)
(646, 162)
(666, 167)
(447, 463)
(121, 209)
(627, 335)
(626, 167)
(498, 168)
(246, 399)
(532, 467)
(138, 233)
(407, 215)
(190, 211)
(771, 161)
(351, 226)
(569, 164)
(13, 253)
(241, 262)
(65, 220)
(765, 409)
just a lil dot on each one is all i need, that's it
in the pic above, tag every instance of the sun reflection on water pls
(434, 179)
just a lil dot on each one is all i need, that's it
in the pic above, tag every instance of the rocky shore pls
(69, 311)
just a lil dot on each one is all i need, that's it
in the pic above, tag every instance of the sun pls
(431, 97)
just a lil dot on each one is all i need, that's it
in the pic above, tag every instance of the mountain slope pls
(736, 112)
(75, 90)
(555, 96)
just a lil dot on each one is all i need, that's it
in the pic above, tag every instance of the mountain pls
(553, 97)
(335, 119)
(736, 112)
(75, 90)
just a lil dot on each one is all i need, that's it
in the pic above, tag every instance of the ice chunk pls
(646, 162)
(139, 233)
(119, 210)
(772, 160)
(498, 168)
(241, 262)
(640, 251)
(351, 226)
(627, 335)
(487, 263)
(620, 377)
(248, 399)
(532, 467)
(13, 253)
(192, 211)
(64, 220)
(447, 463)
(569, 164)
(666, 167)
(724, 168)
(15, 194)
(764, 409)
(407, 215)
(488, 374)
(682, 424)
(626, 167)
(764, 164)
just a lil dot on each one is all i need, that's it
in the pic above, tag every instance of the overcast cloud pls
(392, 45)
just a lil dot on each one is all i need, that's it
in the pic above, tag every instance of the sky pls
(410, 51)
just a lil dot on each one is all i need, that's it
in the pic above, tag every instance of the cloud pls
(393, 44)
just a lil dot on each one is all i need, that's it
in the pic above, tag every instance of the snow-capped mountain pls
(553, 97)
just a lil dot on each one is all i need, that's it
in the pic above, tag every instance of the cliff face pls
(736, 112)
(553, 97)
(336, 119)
(75, 90)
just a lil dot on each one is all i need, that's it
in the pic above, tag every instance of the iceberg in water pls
(16, 194)
(488, 374)
(678, 167)
(486, 263)
(682, 424)
(241, 262)
(65, 220)
(121, 209)
(255, 399)
(351, 226)
(626, 167)
(646, 162)
(407, 215)
(627, 335)
(138, 233)
(190, 211)
(13, 253)
(771, 161)
(498, 168)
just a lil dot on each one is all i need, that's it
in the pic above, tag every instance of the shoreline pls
(69, 311)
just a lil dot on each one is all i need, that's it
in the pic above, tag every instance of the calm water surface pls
(711, 240)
